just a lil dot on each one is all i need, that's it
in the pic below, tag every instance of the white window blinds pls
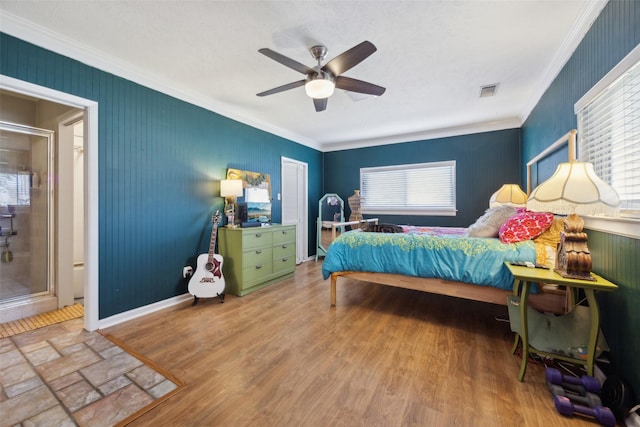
(609, 134)
(413, 189)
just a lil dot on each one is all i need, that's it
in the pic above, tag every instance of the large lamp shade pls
(575, 188)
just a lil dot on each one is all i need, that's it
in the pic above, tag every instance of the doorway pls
(295, 202)
(61, 104)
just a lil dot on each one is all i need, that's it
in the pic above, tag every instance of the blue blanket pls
(473, 260)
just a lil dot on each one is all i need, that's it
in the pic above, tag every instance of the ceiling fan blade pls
(320, 104)
(282, 88)
(350, 58)
(288, 62)
(354, 85)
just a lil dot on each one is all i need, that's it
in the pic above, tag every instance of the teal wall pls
(484, 161)
(614, 34)
(160, 162)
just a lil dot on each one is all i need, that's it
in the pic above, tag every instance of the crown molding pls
(39, 36)
(507, 123)
(576, 33)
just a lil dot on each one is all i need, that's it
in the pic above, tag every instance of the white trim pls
(32, 33)
(91, 275)
(116, 319)
(580, 27)
(627, 62)
(626, 227)
(302, 234)
(509, 123)
(35, 34)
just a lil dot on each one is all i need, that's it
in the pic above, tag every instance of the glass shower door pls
(25, 212)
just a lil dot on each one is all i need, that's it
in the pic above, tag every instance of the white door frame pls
(302, 223)
(91, 236)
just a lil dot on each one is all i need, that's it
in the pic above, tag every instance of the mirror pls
(330, 211)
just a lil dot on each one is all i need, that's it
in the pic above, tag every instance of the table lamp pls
(230, 189)
(510, 195)
(574, 189)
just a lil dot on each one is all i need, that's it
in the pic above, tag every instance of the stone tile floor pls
(62, 375)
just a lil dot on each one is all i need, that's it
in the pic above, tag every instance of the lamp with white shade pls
(574, 189)
(510, 195)
(230, 189)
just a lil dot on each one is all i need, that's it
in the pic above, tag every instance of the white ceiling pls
(433, 56)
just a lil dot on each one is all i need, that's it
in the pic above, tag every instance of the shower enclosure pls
(26, 214)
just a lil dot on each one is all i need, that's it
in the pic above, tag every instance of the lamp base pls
(573, 259)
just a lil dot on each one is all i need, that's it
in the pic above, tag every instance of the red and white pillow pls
(525, 226)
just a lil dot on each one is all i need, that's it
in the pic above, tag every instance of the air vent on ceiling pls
(488, 90)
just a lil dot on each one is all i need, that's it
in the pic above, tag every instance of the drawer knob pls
(285, 259)
(285, 246)
(258, 234)
(258, 267)
(259, 251)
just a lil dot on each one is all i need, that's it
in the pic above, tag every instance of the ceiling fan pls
(323, 79)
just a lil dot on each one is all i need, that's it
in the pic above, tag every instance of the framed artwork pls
(257, 193)
(259, 185)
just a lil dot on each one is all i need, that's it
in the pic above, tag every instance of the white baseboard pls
(142, 311)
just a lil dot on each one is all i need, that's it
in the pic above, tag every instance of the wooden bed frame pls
(549, 301)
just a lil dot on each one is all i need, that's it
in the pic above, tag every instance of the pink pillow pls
(525, 226)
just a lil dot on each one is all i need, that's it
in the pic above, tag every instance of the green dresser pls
(256, 257)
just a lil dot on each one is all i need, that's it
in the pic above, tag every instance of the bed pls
(439, 260)
(448, 261)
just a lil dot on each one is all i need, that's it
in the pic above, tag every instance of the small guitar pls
(207, 281)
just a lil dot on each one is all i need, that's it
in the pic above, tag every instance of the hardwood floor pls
(383, 356)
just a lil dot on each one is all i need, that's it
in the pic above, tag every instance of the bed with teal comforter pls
(428, 252)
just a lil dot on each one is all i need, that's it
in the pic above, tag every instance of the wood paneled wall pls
(160, 163)
(484, 161)
(613, 35)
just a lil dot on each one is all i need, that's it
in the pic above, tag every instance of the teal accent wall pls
(160, 162)
(613, 35)
(484, 161)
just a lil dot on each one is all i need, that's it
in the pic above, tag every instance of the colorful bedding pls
(435, 252)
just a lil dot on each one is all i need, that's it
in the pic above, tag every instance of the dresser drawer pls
(284, 235)
(285, 263)
(284, 250)
(257, 256)
(257, 238)
(255, 274)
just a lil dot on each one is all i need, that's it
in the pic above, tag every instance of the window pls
(609, 131)
(414, 189)
(14, 189)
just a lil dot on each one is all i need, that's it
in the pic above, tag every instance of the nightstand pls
(557, 333)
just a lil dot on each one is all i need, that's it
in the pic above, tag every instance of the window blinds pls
(418, 189)
(609, 137)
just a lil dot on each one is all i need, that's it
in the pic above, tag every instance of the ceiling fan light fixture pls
(320, 86)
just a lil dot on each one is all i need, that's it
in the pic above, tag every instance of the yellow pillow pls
(547, 242)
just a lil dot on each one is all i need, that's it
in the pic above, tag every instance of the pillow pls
(489, 224)
(381, 228)
(525, 226)
(547, 243)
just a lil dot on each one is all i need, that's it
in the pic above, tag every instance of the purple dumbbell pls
(602, 414)
(591, 400)
(579, 385)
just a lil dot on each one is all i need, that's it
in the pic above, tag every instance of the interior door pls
(294, 202)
